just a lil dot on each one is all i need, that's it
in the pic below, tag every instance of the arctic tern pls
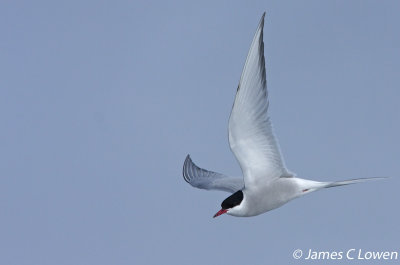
(266, 184)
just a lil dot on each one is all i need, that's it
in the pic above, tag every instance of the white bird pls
(267, 183)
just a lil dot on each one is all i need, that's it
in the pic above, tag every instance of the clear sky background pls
(100, 102)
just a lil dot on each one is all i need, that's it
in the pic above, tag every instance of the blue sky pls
(100, 101)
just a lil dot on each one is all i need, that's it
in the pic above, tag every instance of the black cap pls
(233, 200)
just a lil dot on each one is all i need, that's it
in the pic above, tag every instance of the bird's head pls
(230, 203)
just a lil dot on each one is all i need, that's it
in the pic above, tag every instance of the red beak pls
(222, 211)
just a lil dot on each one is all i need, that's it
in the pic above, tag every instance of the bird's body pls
(266, 197)
(267, 183)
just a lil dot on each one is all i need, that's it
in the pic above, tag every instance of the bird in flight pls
(266, 184)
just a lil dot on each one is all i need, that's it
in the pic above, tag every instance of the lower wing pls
(208, 180)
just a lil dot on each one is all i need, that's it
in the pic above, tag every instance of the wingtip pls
(184, 170)
(187, 166)
(263, 17)
(261, 24)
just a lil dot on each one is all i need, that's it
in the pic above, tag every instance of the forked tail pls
(348, 182)
(308, 186)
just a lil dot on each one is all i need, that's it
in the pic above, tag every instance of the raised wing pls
(250, 131)
(208, 180)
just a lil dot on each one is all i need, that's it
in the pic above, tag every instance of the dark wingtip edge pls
(262, 19)
(185, 167)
